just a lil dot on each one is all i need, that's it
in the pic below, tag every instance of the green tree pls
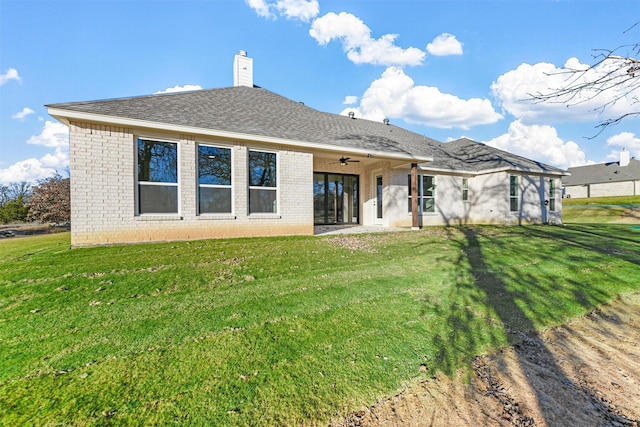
(14, 210)
(13, 202)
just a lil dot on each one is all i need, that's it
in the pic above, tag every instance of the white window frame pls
(513, 198)
(231, 186)
(255, 187)
(552, 195)
(139, 183)
(465, 190)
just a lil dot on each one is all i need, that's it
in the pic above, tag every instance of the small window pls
(429, 193)
(426, 193)
(465, 189)
(263, 187)
(214, 180)
(513, 193)
(157, 177)
(552, 195)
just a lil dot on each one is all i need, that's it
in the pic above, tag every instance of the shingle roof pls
(256, 111)
(603, 172)
(467, 155)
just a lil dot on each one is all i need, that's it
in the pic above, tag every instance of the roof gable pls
(475, 157)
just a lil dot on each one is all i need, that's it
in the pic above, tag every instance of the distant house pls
(620, 178)
(243, 161)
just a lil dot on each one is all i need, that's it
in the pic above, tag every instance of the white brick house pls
(243, 161)
(621, 178)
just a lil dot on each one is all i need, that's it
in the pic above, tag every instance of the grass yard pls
(601, 209)
(280, 331)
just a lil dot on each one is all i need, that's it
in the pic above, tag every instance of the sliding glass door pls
(335, 198)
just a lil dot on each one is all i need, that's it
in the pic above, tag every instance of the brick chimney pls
(242, 69)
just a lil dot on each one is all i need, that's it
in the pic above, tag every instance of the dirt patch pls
(584, 373)
(366, 243)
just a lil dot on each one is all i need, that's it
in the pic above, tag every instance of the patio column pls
(415, 225)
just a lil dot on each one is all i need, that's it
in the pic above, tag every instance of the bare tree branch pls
(613, 77)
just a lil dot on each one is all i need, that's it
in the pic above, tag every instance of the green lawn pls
(279, 331)
(601, 209)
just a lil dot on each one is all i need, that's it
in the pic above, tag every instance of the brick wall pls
(103, 191)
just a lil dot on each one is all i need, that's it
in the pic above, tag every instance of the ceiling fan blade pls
(347, 160)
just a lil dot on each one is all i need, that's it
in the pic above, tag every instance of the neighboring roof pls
(252, 111)
(466, 155)
(602, 173)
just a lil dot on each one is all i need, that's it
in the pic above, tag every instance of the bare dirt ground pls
(584, 373)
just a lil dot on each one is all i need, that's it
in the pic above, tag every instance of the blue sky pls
(444, 69)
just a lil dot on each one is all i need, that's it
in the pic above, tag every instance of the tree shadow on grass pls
(519, 303)
(616, 240)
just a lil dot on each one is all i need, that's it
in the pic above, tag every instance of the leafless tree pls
(614, 76)
(13, 191)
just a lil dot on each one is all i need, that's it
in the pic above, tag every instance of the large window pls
(157, 177)
(513, 193)
(263, 187)
(552, 195)
(426, 193)
(214, 180)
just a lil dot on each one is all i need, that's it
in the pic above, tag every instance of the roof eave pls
(65, 115)
(492, 170)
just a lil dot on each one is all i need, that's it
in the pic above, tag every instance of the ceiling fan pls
(344, 161)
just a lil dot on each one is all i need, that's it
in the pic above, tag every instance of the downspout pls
(415, 224)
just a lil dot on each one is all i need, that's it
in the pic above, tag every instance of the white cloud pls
(304, 10)
(514, 90)
(261, 7)
(445, 44)
(32, 170)
(299, 9)
(357, 42)
(177, 88)
(350, 100)
(11, 74)
(394, 95)
(626, 140)
(22, 114)
(541, 143)
(53, 135)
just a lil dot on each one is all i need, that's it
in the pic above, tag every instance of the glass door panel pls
(335, 198)
(319, 201)
(379, 189)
